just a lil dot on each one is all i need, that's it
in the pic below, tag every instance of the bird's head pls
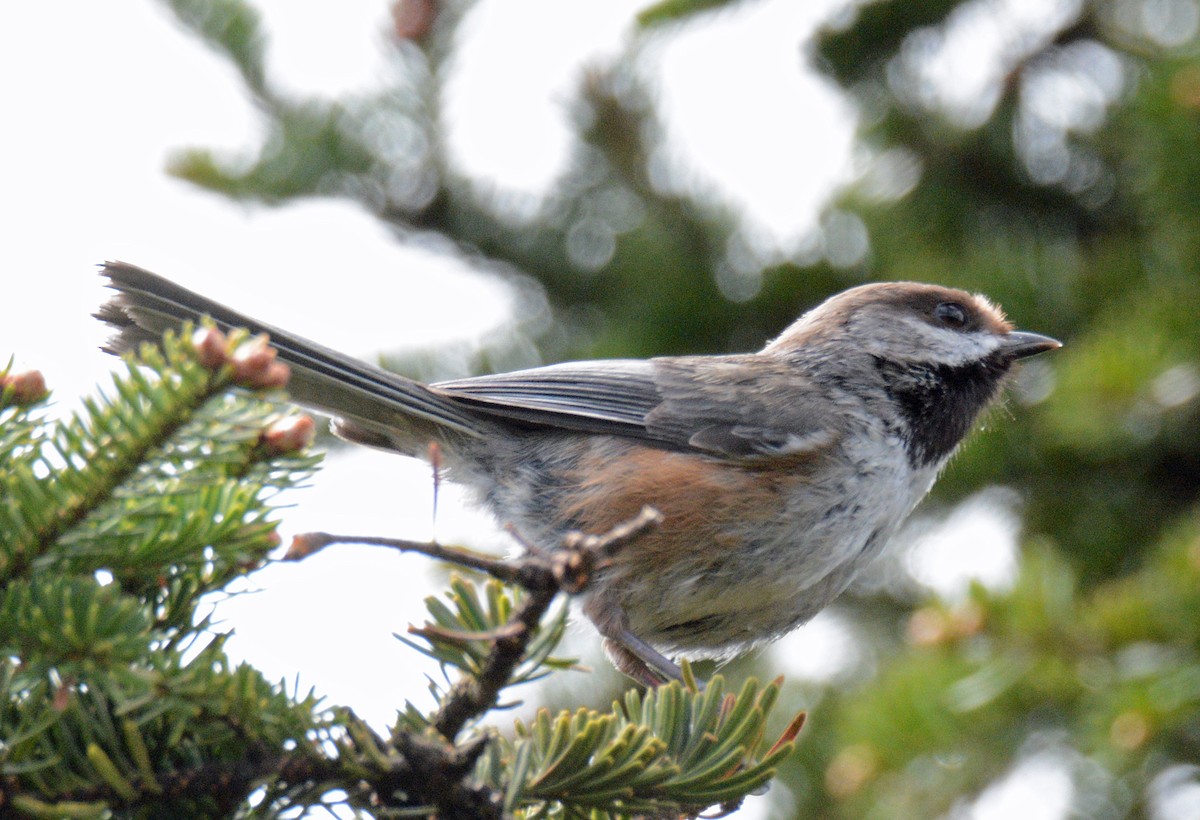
(913, 323)
(935, 356)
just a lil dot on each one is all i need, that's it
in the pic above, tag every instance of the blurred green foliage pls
(1066, 186)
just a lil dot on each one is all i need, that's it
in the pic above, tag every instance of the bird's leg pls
(630, 665)
(639, 660)
(628, 652)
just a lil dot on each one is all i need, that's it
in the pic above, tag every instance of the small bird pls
(779, 474)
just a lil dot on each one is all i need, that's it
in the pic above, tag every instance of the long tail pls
(375, 406)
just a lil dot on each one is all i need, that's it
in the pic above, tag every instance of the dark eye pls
(951, 314)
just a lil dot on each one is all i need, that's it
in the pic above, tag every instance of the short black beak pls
(1018, 344)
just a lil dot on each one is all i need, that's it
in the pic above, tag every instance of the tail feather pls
(367, 397)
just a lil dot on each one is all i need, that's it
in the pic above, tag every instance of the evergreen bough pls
(117, 698)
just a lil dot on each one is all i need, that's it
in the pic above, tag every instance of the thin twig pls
(472, 696)
(543, 574)
(569, 567)
(306, 544)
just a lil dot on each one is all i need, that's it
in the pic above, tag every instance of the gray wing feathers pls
(748, 407)
(603, 396)
(743, 407)
(751, 407)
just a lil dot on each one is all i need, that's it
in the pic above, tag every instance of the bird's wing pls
(604, 396)
(747, 407)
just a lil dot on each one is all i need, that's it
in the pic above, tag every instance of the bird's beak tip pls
(1020, 344)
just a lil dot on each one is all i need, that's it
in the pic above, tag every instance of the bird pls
(779, 474)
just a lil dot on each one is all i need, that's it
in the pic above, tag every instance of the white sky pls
(97, 95)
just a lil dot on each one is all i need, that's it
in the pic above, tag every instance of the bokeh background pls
(464, 186)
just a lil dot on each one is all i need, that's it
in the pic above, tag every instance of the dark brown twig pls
(309, 543)
(443, 770)
(542, 574)
(444, 766)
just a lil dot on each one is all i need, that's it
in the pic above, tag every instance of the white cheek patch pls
(939, 345)
(911, 338)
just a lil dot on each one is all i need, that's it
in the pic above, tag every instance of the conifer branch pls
(542, 574)
(103, 713)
